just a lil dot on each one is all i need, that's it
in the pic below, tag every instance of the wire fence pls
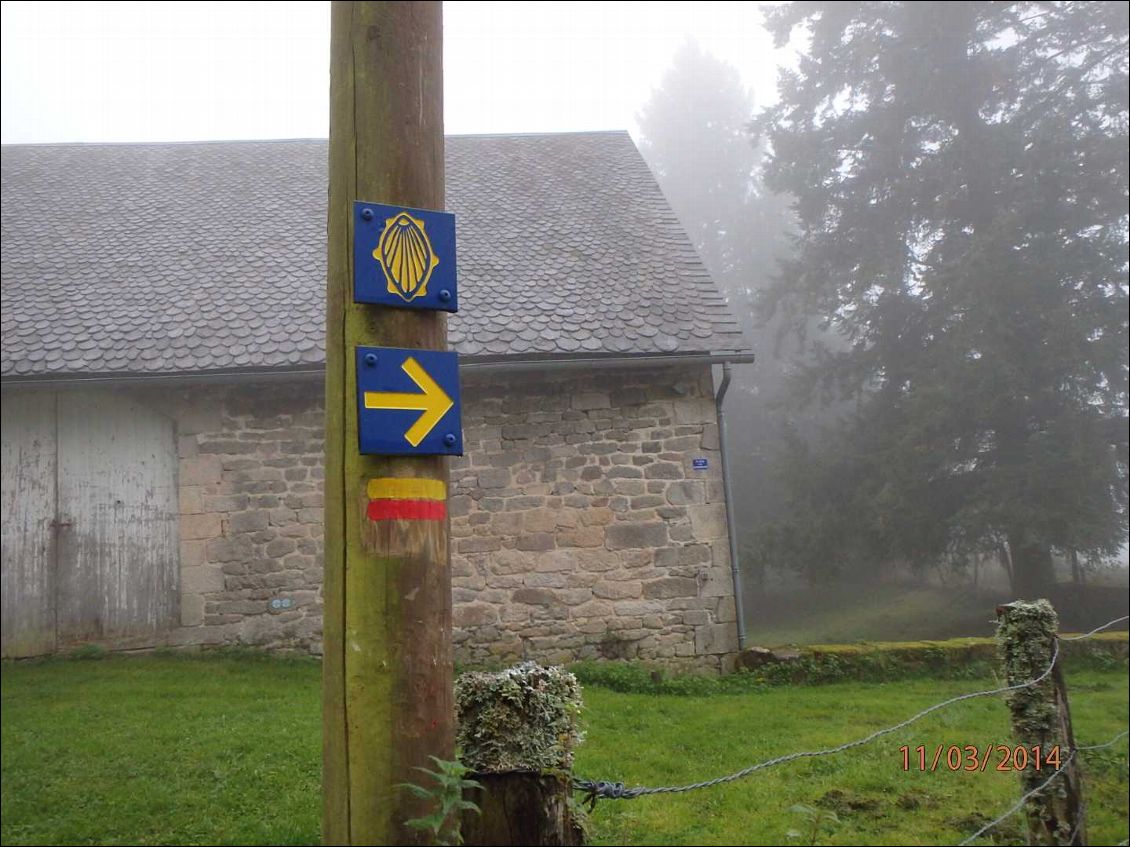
(595, 790)
(1096, 630)
(1083, 749)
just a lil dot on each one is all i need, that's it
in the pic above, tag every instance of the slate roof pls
(157, 258)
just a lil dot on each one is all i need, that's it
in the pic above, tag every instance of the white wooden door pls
(106, 564)
(118, 546)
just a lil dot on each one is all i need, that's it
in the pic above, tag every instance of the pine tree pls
(959, 172)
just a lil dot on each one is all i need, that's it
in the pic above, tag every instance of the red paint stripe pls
(407, 510)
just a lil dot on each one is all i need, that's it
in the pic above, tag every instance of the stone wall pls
(251, 514)
(580, 526)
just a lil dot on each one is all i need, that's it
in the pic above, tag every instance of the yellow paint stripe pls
(388, 488)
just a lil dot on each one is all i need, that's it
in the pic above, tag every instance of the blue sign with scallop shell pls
(404, 257)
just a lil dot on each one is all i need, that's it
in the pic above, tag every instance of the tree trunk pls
(1076, 569)
(521, 808)
(1033, 574)
(1005, 560)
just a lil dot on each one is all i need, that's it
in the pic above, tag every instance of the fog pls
(883, 490)
(179, 71)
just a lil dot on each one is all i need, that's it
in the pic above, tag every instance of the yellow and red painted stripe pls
(406, 499)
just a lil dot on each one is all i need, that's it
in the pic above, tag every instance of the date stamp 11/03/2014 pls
(974, 757)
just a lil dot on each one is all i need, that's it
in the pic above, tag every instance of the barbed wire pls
(1020, 803)
(1110, 743)
(1096, 630)
(600, 789)
(1083, 802)
(1115, 740)
(617, 791)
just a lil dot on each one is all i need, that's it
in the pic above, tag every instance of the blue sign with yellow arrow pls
(408, 402)
(404, 257)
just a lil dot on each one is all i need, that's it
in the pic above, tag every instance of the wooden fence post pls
(1027, 640)
(517, 729)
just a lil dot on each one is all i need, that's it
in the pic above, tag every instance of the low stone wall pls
(581, 526)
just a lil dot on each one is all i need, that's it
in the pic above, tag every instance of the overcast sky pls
(163, 71)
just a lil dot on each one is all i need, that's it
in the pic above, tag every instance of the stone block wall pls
(251, 469)
(580, 525)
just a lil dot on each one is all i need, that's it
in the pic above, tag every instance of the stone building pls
(162, 402)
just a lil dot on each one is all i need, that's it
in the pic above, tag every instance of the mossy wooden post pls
(387, 672)
(517, 731)
(1026, 638)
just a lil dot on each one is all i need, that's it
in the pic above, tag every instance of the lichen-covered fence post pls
(516, 732)
(1026, 638)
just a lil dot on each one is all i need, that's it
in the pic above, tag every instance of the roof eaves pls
(468, 363)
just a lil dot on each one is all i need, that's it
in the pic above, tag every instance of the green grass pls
(161, 750)
(226, 749)
(645, 739)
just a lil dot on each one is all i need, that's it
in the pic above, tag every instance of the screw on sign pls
(408, 402)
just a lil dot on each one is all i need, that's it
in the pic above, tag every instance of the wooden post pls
(517, 732)
(1026, 639)
(387, 671)
(521, 808)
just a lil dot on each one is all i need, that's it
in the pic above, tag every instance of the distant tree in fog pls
(959, 172)
(696, 137)
(697, 141)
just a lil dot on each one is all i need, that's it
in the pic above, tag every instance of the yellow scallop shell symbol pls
(406, 256)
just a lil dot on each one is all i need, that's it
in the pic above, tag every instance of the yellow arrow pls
(434, 402)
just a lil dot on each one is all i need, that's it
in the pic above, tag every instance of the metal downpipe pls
(731, 527)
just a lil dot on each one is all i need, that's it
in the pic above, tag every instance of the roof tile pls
(156, 258)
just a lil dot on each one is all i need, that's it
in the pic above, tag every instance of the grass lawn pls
(226, 749)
